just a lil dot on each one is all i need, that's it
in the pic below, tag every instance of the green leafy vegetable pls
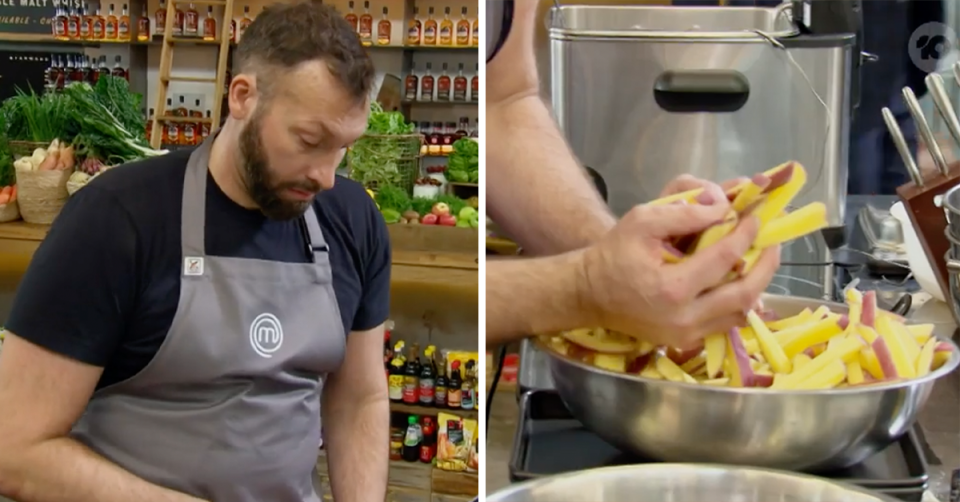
(383, 122)
(377, 158)
(391, 197)
(7, 175)
(390, 215)
(463, 164)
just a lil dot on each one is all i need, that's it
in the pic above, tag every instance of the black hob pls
(550, 441)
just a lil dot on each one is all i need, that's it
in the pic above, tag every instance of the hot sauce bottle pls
(383, 29)
(443, 85)
(366, 26)
(428, 446)
(410, 85)
(430, 29)
(414, 28)
(426, 85)
(463, 28)
(352, 19)
(460, 85)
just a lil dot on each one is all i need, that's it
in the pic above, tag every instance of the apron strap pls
(193, 218)
(315, 240)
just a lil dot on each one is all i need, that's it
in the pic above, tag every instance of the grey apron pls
(228, 410)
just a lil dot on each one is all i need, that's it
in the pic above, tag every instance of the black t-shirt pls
(104, 285)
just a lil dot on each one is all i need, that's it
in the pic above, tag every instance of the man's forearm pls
(538, 192)
(356, 431)
(63, 470)
(531, 296)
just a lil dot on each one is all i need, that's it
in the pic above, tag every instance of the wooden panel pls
(426, 258)
(23, 231)
(409, 475)
(439, 497)
(455, 277)
(434, 238)
(404, 495)
(455, 483)
(430, 411)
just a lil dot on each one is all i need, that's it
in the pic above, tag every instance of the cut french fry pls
(805, 316)
(939, 359)
(868, 309)
(644, 348)
(869, 362)
(800, 360)
(895, 344)
(854, 372)
(910, 346)
(804, 221)
(650, 371)
(921, 332)
(692, 365)
(844, 349)
(867, 333)
(750, 193)
(925, 358)
(738, 362)
(804, 337)
(717, 232)
(719, 382)
(600, 340)
(829, 377)
(716, 347)
(779, 198)
(688, 196)
(611, 362)
(769, 347)
(671, 371)
(752, 346)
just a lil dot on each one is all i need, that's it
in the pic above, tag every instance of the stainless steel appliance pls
(646, 93)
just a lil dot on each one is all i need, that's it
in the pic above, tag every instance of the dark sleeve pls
(81, 283)
(375, 275)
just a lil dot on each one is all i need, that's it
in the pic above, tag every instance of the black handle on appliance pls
(902, 307)
(598, 182)
(690, 91)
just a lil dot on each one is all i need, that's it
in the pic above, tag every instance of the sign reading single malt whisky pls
(32, 17)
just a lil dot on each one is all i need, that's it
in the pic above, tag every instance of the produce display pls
(810, 350)
(375, 160)
(463, 164)
(445, 210)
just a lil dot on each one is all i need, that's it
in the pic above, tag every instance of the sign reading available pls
(32, 16)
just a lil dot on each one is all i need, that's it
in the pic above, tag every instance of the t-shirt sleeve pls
(375, 300)
(80, 285)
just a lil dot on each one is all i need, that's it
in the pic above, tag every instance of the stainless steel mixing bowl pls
(683, 483)
(797, 430)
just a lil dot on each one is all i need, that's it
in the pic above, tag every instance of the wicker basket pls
(41, 195)
(25, 148)
(9, 212)
(399, 154)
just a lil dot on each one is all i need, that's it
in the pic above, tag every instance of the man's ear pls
(242, 96)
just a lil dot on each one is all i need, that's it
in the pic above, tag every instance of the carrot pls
(4, 198)
(13, 193)
(50, 162)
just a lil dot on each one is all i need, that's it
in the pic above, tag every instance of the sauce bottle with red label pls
(443, 85)
(460, 85)
(411, 85)
(426, 85)
(475, 84)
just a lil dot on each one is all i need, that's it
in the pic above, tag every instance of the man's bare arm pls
(42, 394)
(356, 421)
(537, 191)
(529, 296)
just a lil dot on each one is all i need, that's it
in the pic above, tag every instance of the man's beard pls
(257, 177)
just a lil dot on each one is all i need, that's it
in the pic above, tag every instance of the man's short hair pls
(286, 35)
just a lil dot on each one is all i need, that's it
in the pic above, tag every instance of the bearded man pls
(189, 317)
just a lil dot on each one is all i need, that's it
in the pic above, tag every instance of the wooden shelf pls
(416, 481)
(413, 409)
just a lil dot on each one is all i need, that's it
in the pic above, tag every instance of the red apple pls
(429, 219)
(448, 220)
(440, 209)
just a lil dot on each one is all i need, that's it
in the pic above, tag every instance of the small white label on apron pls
(193, 265)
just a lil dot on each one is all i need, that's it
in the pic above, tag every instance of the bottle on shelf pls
(475, 36)
(475, 133)
(233, 31)
(73, 24)
(86, 23)
(118, 69)
(383, 29)
(411, 376)
(205, 127)
(411, 441)
(441, 384)
(463, 28)
(181, 109)
(463, 128)
(60, 22)
(443, 84)
(475, 84)
(352, 18)
(426, 85)
(454, 389)
(160, 18)
(111, 31)
(149, 128)
(210, 25)
(85, 74)
(102, 69)
(467, 388)
(460, 85)
(191, 22)
(428, 377)
(50, 74)
(366, 26)
(188, 132)
(178, 20)
(244, 22)
(123, 25)
(428, 445)
(414, 28)
(430, 29)
(395, 380)
(171, 131)
(446, 29)
(196, 111)
(76, 69)
(411, 85)
(99, 24)
(143, 25)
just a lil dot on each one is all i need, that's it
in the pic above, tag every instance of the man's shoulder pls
(146, 186)
(348, 201)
